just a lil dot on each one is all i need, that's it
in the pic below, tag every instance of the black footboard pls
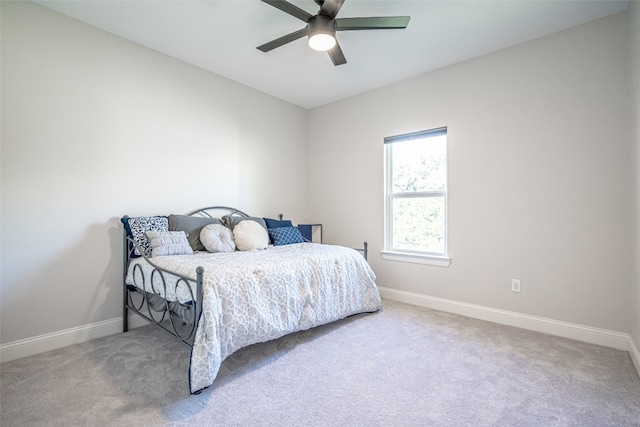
(142, 295)
(364, 250)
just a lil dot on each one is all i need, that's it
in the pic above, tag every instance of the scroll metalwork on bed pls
(146, 295)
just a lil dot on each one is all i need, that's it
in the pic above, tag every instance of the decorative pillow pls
(192, 226)
(232, 221)
(217, 238)
(285, 236)
(277, 223)
(137, 227)
(250, 236)
(168, 243)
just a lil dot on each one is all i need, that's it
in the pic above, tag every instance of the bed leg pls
(125, 294)
(366, 251)
(125, 319)
(125, 310)
(199, 295)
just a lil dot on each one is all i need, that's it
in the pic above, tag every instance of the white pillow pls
(249, 236)
(168, 243)
(217, 238)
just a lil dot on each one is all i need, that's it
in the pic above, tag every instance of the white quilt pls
(252, 297)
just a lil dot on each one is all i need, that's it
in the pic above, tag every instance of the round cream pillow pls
(217, 238)
(249, 236)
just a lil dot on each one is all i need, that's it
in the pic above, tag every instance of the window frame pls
(421, 257)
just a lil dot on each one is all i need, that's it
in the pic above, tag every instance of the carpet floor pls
(402, 366)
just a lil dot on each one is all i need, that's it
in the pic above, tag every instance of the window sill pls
(440, 261)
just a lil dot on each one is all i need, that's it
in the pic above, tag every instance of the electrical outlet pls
(516, 286)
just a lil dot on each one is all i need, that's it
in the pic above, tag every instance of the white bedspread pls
(252, 297)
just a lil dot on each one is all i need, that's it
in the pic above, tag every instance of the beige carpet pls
(403, 366)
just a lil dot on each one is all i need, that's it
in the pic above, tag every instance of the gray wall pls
(634, 26)
(543, 178)
(541, 174)
(95, 127)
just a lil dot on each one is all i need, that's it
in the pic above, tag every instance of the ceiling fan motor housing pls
(321, 24)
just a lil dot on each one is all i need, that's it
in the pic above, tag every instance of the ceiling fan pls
(321, 28)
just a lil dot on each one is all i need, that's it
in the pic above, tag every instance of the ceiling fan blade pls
(372, 23)
(291, 9)
(336, 55)
(283, 40)
(330, 8)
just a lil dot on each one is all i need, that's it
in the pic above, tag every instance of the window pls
(416, 197)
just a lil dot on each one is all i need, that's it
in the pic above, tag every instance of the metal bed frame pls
(159, 311)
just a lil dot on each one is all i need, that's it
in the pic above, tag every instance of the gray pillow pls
(192, 225)
(165, 243)
(232, 221)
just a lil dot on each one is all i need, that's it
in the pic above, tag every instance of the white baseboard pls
(574, 331)
(40, 344)
(635, 355)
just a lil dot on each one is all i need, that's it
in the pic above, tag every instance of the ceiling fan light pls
(321, 41)
(322, 33)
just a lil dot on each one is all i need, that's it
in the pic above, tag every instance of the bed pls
(219, 301)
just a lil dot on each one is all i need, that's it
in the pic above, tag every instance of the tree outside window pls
(416, 192)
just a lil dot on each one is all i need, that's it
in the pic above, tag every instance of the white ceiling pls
(221, 36)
